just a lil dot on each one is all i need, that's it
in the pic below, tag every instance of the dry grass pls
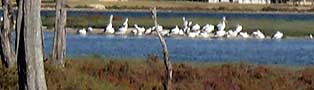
(186, 5)
(113, 74)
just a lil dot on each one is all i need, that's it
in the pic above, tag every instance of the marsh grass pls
(100, 73)
(269, 26)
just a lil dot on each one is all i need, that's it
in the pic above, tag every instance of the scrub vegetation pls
(97, 73)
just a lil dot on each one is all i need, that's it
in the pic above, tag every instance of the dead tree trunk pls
(18, 25)
(7, 54)
(167, 83)
(30, 54)
(58, 51)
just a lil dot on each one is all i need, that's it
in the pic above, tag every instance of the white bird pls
(190, 23)
(1, 18)
(185, 24)
(181, 32)
(231, 33)
(109, 28)
(159, 28)
(277, 35)
(311, 36)
(208, 28)
(238, 28)
(244, 34)
(222, 24)
(196, 27)
(258, 34)
(220, 33)
(193, 34)
(175, 30)
(90, 29)
(82, 31)
(149, 30)
(124, 28)
(134, 31)
(140, 30)
(164, 32)
(204, 34)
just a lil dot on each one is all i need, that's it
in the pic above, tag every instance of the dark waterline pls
(139, 14)
(296, 52)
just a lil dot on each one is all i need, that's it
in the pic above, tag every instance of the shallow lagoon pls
(297, 52)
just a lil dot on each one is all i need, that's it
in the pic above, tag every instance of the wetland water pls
(165, 14)
(297, 52)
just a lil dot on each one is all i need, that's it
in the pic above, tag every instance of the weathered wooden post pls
(167, 83)
(59, 43)
(30, 55)
(7, 54)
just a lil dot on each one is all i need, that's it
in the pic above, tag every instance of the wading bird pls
(277, 35)
(124, 28)
(109, 28)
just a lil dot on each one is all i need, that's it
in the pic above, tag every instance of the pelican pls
(159, 28)
(140, 30)
(220, 33)
(208, 28)
(222, 25)
(82, 31)
(204, 34)
(231, 33)
(193, 34)
(149, 30)
(258, 34)
(185, 24)
(109, 28)
(175, 30)
(134, 31)
(89, 29)
(165, 32)
(124, 28)
(277, 35)
(238, 28)
(161, 31)
(188, 28)
(244, 34)
(181, 32)
(311, 36)
(190, 23)
(196, 27)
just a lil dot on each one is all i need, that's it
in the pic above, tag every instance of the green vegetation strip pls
(269, 26)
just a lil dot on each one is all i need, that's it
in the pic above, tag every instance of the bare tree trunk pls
(304, 2)
(7, 54)
(30, 55)
(167, 83)
(18, 25)
(58, 51)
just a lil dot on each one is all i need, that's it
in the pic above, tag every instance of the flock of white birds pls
(189, 29)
